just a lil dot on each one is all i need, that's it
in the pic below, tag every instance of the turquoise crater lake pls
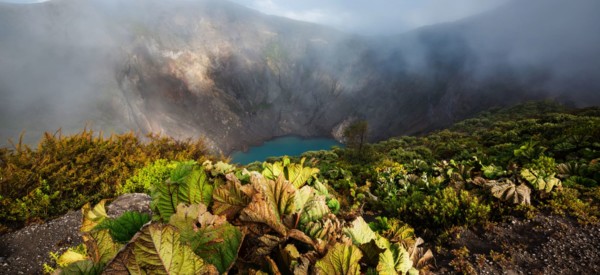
(289, 145)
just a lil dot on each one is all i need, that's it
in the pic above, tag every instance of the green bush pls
(446, 209)
(65, 172)
(152, 174)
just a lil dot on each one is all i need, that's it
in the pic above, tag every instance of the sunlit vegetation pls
(539, 155)
(215, 218)
(357, 209)
(65, 172)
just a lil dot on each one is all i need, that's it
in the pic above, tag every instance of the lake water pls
(290, 146)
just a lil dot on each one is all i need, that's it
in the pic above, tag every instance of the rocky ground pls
(25, 251)
(546, 244)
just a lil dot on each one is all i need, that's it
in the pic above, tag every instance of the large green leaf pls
(340, 259)
(85, 267)
(210, 236)
(188, 184)
(124, 227)
(92, 216)
(314, 209)
(273, 170)
(157, 250)
(360, 232)
(231, 198)
(541, 180)
(196, 188)
(271, 202)
(394, 260)
(165, 200)
(302, 197)
(298, 175)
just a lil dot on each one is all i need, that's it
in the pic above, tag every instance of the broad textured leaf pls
(297, 174)
(214, 240)
(360, 232)
(123, 263)
(261, 246)
(157, 249)
(197, 188)
(508, 191)
(187, 185)
(272, 170)
(92, 216)
(100, 245)
(300, 236)
(320, 188)
(230, 199)
(85, 267)
(340, 259)
(540, 180)
(371, 251)
(181, 171)
(400, 232)
(185, 219)
(302, 197)
(394, 260)
(165, 200)
(125, 226)
(70, 257)
(326, 229)
(271, 202)
(315, 209)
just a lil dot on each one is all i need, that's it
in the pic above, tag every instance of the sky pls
(374, 17)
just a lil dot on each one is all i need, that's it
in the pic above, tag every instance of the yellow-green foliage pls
(447, 208)
(569, 202)
(148, 176)
(64, 172)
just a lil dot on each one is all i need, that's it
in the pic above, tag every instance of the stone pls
(139, 202)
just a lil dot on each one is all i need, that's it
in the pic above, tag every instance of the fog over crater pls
(238, 77)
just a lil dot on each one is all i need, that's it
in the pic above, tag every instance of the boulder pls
(139, 202)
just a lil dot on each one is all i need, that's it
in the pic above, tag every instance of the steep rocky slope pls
(215, 69)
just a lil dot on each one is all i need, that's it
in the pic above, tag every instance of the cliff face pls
(237, 77)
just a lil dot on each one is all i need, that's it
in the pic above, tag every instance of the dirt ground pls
(547, 244)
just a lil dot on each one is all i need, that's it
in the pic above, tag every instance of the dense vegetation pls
(535, 156)
(213, 219)
(65, 172)
(354, 209)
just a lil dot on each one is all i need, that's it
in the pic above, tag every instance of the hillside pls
(505, 191)
(237, 77)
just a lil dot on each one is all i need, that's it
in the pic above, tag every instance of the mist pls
(236, 76)
(383, 17)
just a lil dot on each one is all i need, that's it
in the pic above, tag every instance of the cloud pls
(373, 17)
(23, 1)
